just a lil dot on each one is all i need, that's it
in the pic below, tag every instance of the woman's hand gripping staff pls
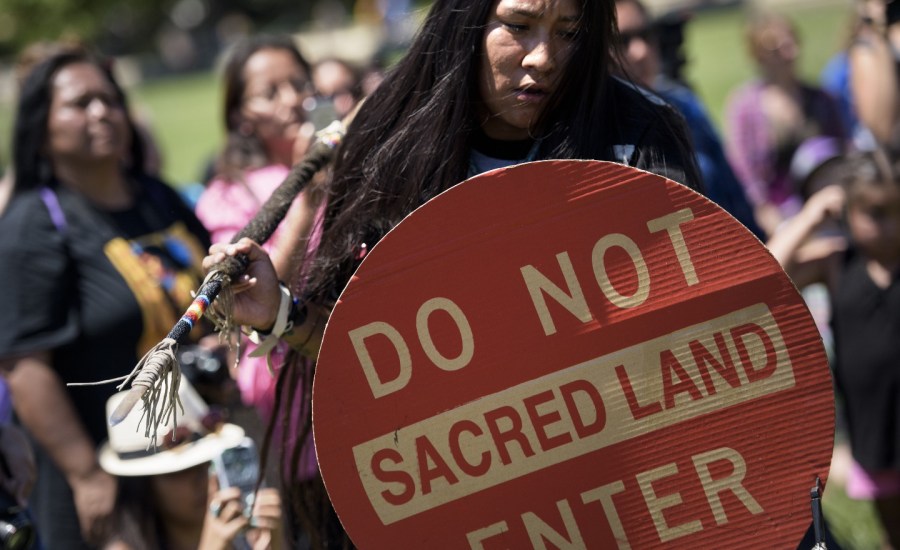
(148, 380)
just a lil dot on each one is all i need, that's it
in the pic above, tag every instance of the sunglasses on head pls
(181, 435)
(646, 34)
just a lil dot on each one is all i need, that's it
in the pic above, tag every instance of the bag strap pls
(56, 212)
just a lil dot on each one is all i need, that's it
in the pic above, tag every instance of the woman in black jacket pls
(486, 84)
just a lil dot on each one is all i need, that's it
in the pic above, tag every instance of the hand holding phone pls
(238, 467)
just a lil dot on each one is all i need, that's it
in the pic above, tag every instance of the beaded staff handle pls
(147, 377)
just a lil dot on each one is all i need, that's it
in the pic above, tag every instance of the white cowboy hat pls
(129, 453)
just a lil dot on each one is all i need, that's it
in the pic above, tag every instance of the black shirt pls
(97, 289)
(866, 323)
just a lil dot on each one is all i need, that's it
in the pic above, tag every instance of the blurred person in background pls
(336, 81)
(28, 58)
(874, 58)
(864, 76)
(32, 55)
(860, 269)
(169, 497)
(641, 62)
(835, 79)
(266, 80)
(99, 260)
(36, 52)
(771, 116)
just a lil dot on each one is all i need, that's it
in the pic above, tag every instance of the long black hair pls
(411, 139)
(32, 165)
(245, 150)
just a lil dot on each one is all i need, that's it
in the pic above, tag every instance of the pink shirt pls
(225, 207)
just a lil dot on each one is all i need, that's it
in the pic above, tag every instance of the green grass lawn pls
(184, 114)
(853, 523)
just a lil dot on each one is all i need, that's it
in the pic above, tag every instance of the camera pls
(16, 530)
(203, 366)
(207, 370)
(238, 467)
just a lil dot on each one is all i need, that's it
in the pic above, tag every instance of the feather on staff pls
(149, 374)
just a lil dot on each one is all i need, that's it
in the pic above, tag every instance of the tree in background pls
(144, 26)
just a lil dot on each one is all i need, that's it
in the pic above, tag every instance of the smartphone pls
(320, 111)
(238, 467)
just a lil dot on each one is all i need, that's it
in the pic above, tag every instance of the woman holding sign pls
(486, 84)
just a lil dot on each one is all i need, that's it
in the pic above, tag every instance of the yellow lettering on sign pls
(656, 504)
(376, 378)
(576, 411)
(652, 486)
(604, 495)
(538, 531)
(712, 487)
(572, 299)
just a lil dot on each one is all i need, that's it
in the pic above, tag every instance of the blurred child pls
(860, 271)
(167, 496)
(771, 116)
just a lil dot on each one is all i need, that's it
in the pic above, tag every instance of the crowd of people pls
(101, 255)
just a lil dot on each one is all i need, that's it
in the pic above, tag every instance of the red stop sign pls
(571, 354)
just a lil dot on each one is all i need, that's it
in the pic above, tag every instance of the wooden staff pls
(147, 377)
